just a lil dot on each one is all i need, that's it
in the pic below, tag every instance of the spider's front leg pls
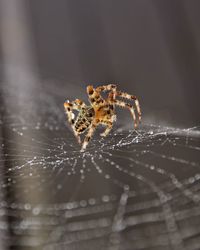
(95, 94)
(110, 87)
(69, 106)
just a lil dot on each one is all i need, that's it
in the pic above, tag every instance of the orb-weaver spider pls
(100, 111)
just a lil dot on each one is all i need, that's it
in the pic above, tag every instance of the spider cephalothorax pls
(101, 111)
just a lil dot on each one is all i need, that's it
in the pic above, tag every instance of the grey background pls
(150, 48)
(51, 50)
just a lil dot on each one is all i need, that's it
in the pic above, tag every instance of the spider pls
(100, 111)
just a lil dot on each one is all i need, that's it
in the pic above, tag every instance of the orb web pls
(133, 189)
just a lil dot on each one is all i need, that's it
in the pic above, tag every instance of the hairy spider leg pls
(95, 98)
(128, 106)
(109, 125)
(75, 105)
(110, 87)
(131, 97)
(89, 135)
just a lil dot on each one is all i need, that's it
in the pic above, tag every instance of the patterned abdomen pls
(84, 120)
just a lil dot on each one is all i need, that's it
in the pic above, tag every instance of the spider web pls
(132, 190)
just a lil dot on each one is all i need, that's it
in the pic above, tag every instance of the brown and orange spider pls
(100, 111)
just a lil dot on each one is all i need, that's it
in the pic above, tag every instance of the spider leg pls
(75, 105)
(109, 125)
(108, 87)
(94, 96)
(89, 135)
(128, 106)
(131, 97)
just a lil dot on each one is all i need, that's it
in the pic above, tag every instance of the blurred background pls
(50, 51)
(149, 48)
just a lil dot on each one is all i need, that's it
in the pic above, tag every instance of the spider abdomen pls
(81, 125)
(84, 120)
